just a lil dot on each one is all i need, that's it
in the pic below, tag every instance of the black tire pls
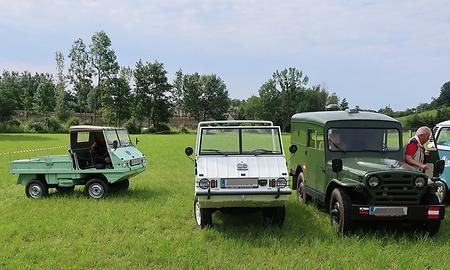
(274, 215)
(36, 189)
(65, 190)
(302, 197)
(121, 186)
(340, 211)
(96, 189)
(202, 216)
(431, 226)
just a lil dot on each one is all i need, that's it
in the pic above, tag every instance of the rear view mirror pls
(115, 144)
(188, 151)
(336, 165)
(293, 148)
(439, 167)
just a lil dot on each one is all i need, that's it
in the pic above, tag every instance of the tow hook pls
(278, 193)
(209, 193)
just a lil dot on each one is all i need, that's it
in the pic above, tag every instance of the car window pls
(312, 138)
(219, 141)
(363, 140)
(261, 141)
(111, 136)
(443, 137)
(124, 137)
(82, 137)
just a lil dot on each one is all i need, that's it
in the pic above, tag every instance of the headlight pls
(281, 183)
(203, 183)
(124, 164)
(419, 182)
(374, 181)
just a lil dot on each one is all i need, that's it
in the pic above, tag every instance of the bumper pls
(239, 198)
(413, 213)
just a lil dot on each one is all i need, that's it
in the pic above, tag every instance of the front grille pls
(396, 189)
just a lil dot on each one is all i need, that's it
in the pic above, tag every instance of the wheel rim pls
(300, 194)
(198, 216)
(440, 193)
(96, 191)
(336, 214)
(35, 191)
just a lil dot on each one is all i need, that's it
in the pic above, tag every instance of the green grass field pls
(151, 226)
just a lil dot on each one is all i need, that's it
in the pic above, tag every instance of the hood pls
(361, 166)
(236, 166)
(127, 153)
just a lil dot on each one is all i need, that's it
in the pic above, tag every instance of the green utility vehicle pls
(352, 163)
(100, 158)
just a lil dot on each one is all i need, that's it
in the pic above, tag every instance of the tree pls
(177, 91)
(333, 99)
(387, 111)
(152, 93)
(344, 104)
(104, 62)
(45, 97)
(117, 101)
(28, 84)
(80, 73)
(61, 109)
(444, 97)
(7, 100)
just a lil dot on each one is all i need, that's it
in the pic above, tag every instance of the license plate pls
(388, 211)
(135, 162)
(240, 183)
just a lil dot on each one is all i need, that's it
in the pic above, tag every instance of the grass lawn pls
(151, 226)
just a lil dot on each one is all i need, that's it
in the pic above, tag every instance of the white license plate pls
(135, 162)
(388, 211)
(241, 183)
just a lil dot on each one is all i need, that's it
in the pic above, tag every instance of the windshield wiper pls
(261, 151)
(215, 151)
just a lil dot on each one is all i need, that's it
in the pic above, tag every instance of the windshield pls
(363, 140)
(124, 137)
(121, 136)
(240, 141)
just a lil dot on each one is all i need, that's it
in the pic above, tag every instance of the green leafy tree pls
(118, 101)
(152, 93)
(61, 109)
(80, 73)
(444, 97)
(104, 62)
(7, 100)
(45, 97)
(333, 99)
(344, 104)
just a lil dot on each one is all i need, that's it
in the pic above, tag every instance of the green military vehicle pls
(352, 163)
(101, 158)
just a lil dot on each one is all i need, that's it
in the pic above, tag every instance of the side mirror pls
(188, 151)
(336, 165)
(439, 167)
(137, 141)
(115, 144)
(293, 148)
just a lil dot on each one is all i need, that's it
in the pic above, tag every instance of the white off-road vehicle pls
(239, 164)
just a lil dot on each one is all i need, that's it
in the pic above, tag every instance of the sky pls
(373, 53)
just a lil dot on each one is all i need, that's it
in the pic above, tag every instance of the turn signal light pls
(273, 183)
(213, 183)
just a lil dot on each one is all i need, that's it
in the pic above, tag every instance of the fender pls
(339, 182)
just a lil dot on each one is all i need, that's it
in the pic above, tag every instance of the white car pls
(239, 164)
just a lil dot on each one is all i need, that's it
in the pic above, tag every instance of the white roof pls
(234, 123)
(90, 128)
(445, 123)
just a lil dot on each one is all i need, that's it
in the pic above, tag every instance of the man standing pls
(415, 151)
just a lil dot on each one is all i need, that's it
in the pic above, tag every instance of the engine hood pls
(241, 166)
(361, 166)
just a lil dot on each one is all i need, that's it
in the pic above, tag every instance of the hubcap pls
(336, 214)
(96, 191)
(300, 195)
(35, 191)
(198, 216)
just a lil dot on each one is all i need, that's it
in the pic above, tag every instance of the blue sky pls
(374, 53)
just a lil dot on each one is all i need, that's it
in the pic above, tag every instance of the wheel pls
(431, 226)
(441, 192)
(65, 190)
(340, 211)
(96, 188)
(301, 194)
(121, 186)
(36, 189)
(203, 216)
(274, 215)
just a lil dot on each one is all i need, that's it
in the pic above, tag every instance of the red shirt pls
(411, 149)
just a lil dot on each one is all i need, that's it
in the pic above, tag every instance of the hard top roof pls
(234, 123)
(91, 128)
(444, 123)
(327, 116)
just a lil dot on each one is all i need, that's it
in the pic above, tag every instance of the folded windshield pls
(363, 140)
(121, 136)
(240, 141)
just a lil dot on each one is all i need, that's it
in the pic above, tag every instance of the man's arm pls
(411, 161)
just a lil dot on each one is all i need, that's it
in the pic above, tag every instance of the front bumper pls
(414, 213)
(241, 198)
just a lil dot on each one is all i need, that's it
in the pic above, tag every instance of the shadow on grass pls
(22, 138)
(140, 194)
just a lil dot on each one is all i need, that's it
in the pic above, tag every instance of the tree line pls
(142, 96)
